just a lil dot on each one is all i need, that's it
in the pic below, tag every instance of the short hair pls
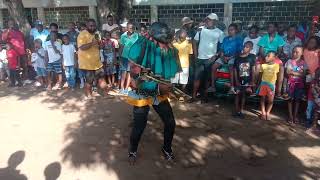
(249, 42)
(54, 25)
(274, 24)
(91, 20)
(234, 25)
(316, 38)
(255, 27)
(65, 35)
(143, 26)
(292, 26)
(109, 16)
(130, 23)
(271, 52)
(38, 41)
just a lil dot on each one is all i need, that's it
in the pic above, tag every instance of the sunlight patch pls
(309, 156)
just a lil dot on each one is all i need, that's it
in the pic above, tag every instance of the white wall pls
(165, 2)
(54, 3)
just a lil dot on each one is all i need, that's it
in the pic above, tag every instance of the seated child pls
(244, 77)
(268, 73)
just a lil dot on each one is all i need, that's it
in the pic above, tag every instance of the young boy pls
(315, 93)
(268, 73)
(68, 53)
(53, 58)
(39, 64)
(244, 77)
(254, 38)
(109, 55)
(185, 49)
(231, 47)
(296, 70)
(3, 64)
(13, 63)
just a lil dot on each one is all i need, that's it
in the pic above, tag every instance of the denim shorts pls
(92, 75)
(55, 67)
(41, 72)
(124, 65)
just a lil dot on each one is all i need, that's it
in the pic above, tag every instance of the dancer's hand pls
(165, 88)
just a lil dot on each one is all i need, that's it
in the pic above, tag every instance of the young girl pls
(244, 77)
(109, 55)
(315, 92)
(37, 59)
(268, 73)
(13, 63)
(185, 49)
(296, 70)
(311, 57)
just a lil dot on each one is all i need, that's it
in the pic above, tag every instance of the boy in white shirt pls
(53, 57)
(4, 71)
(254, 38)
(38, 62)
(68, 53)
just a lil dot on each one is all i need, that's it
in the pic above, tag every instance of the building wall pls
(141, 14)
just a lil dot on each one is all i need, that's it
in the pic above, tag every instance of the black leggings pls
(14, 77)
(140, 118)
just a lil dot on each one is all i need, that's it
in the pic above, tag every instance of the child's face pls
(297, 53)
(232, 31)
(247, 48)
(253, 34)
(65, 40)
(270, 57)
(107, 36)
(312, 44)
(37, 45)
(183, 36)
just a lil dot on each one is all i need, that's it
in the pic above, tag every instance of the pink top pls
(16, 38)
(312, 59)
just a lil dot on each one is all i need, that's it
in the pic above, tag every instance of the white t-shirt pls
(37, 60)
(3, 56)
(68, 54)
(53, 56)
(255, 48)
(107, 27)
(209, 39)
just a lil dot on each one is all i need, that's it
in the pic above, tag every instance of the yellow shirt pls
(88, 59)
(270, 72)
(185, 49)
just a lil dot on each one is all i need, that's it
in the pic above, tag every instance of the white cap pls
(124, 24)
(213, 16)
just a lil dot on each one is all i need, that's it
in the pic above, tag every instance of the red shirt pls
(16, 38)
(12, 57)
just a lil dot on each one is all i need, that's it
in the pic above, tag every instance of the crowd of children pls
(273, 65)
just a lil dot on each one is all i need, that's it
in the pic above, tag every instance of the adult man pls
(208, 40)
(39, 32)
(89, 58)
(14, 36)
(126, 40)
(187, 24)
(291, 41)
(110, 26)
(73, 34)
(55, 28)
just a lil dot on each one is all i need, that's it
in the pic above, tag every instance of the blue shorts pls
(124, 65)
(55, 67)
(110, 70)
(41, 72)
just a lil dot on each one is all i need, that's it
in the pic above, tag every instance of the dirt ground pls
(58, 135)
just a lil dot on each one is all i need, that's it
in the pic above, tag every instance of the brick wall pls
(31, 14)
(172, 14)
(141, 14)
(63, 16)
(260, 13)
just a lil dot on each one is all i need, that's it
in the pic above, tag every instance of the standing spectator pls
(208, 40)
(291, 41)
(55, 28)
(13, 56)
(53, 58)
(126, 40)
(16, 38)
(73, 34)
(187, 25)
(89, 58)
(39, 64)
(303, 31)
(68, 53)
(231, 47)
(144, 31)
(39, 32)
(4, 71)
(110, 26)
(254, 38)
(109, 56)
(315, 93)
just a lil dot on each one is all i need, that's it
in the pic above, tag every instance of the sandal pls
(132, 158)
(168, 155)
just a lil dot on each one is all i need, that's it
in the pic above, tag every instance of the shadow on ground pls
(209, 143)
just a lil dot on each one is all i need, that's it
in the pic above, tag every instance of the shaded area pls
(11, 172)
(209, 143)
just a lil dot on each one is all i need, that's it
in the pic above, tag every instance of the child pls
(185, 49)
(296, 70)
(244, 77)
(231, 47)
(315, 92)
(3, 64)
(109, 55)
(254, 38)
(39, 62)
(115, 37)
(268, 73)
(13, 60)
(311, 57)
(68, 53)
(53, 58)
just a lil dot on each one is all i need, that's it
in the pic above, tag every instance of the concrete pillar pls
(93, 12)
(154, 13)
(41, 16)
(1, 19)
(227, 20)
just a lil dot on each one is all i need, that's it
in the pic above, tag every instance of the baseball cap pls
(213, 16)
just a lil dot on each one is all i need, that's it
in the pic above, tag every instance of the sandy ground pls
(61, 136)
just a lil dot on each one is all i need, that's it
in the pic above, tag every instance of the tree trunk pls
(124, 9)
(103, 10)
(17, 13)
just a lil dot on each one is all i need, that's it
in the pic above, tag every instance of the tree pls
(17, 13)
